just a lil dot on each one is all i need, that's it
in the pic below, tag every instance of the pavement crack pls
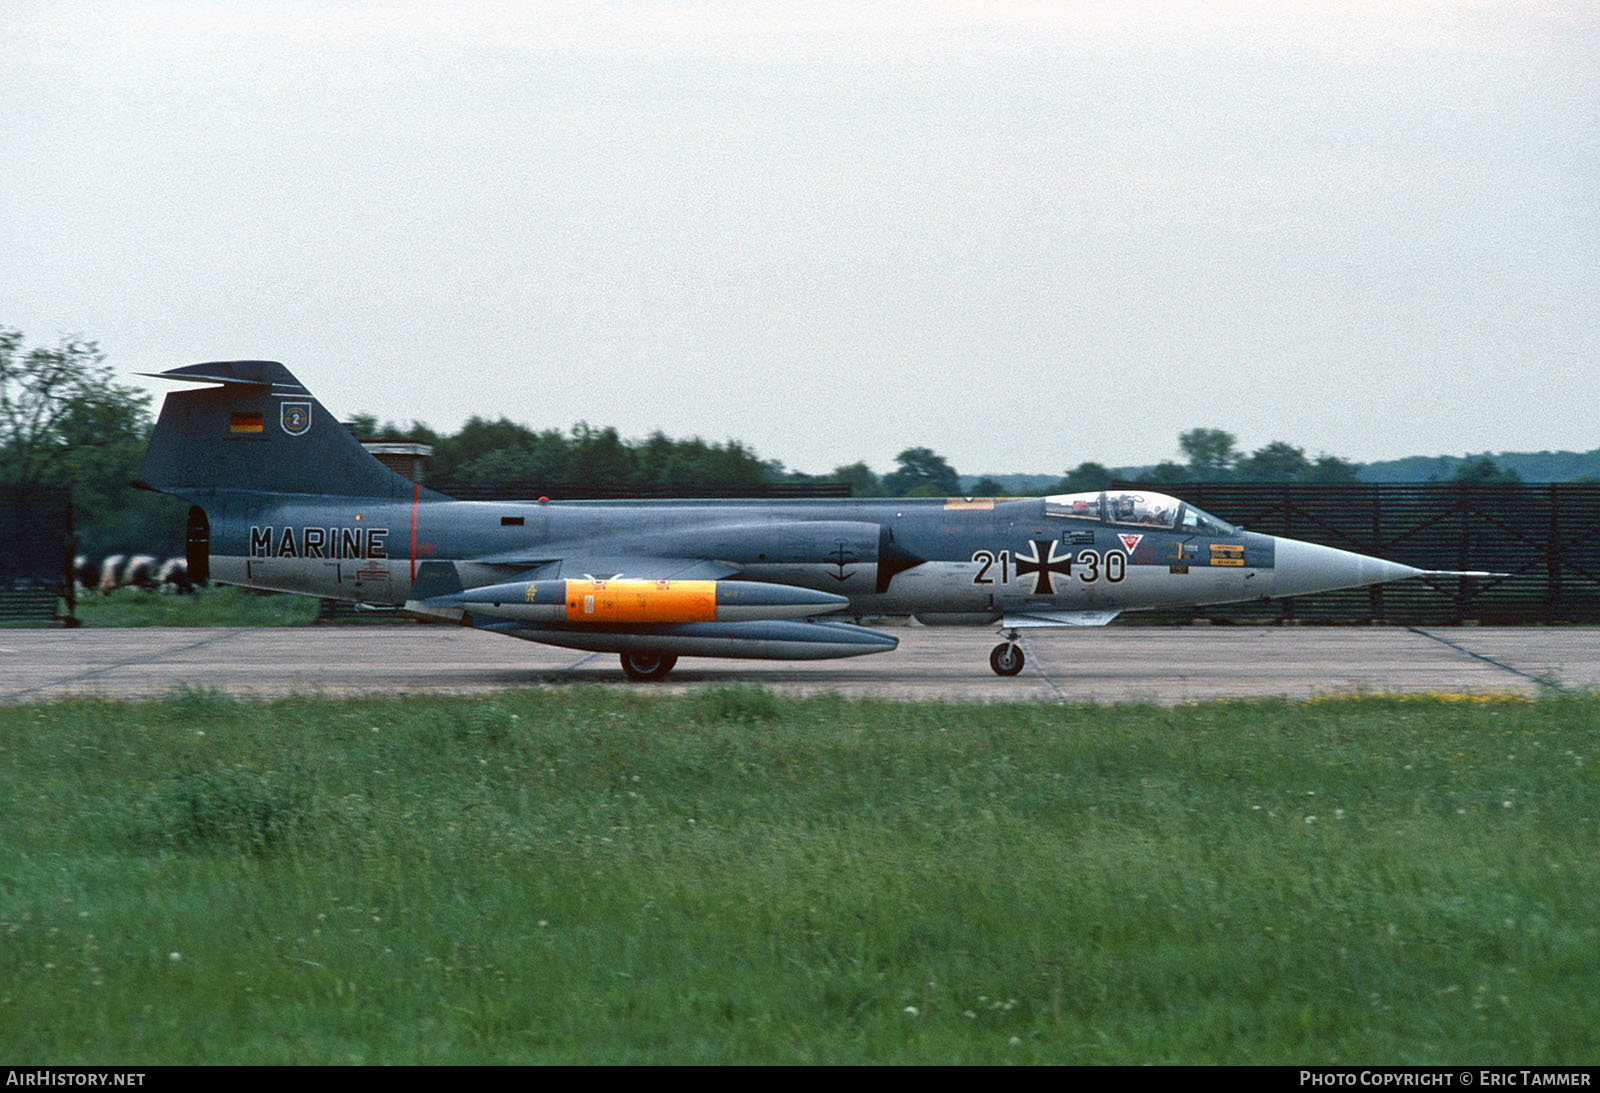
(145, 658)
(1543, 681)
(1033, 659)
(579, 663)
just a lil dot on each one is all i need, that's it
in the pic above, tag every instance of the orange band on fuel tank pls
(641, 601)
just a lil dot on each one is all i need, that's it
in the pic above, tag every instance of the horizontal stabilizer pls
(241, 373)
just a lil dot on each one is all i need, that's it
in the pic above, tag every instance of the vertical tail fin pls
(259, 430)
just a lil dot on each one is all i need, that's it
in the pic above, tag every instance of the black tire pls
(1007, 659)
(645, 667)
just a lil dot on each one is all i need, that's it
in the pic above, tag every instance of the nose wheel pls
(645, 667)
(1007, 658)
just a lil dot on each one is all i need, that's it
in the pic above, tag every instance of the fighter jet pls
(284, 498)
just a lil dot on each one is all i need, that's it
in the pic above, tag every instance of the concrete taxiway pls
(1164, 665)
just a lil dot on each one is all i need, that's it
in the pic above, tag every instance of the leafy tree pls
(56, 403)
(1210, 453)
(863, 483)
(1330, 468)
(1085, 478)
(507, 457)
(1483, 469)
(922, 469)
(1281, 462)
(598, 457)
(697, 464)
(1276, 462)
(505, 471)
(65, 420)
(365, 427)
(1167, 472)
(499, 454)
(987, 487)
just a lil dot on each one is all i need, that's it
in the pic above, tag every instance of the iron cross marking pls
(1041, 559)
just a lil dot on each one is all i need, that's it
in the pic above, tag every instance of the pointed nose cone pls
(1300, 569)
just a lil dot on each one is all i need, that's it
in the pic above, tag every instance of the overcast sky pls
(1022, 234)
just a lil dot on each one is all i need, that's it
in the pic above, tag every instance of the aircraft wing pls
(638, 567)
(719, 550)
(1018, 620)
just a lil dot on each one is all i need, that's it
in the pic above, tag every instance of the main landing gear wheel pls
(1007, 659)
(644, 667)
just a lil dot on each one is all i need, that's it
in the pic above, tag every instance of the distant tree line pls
(501, 455)
(1212, 455)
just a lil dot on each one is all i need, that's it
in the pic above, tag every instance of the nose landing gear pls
(1006, 658)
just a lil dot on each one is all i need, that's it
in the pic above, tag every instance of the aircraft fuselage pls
(286, 499)
(894, 557)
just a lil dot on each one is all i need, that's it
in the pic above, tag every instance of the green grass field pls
(571, 875)
(216, 605)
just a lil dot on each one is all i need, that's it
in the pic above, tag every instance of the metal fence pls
(1544, 538)
(35, 552)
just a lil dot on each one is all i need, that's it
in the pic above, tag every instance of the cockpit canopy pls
(1137, 508)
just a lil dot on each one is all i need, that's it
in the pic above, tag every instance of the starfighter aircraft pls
(284, 498)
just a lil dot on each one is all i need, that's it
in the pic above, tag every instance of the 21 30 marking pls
(1088, 566)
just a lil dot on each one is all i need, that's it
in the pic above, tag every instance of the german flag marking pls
(244, 423)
